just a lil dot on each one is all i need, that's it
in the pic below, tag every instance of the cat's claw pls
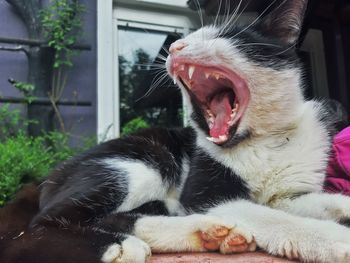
(131, 250)
(227, 240)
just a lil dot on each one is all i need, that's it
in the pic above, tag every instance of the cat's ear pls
(285, 21)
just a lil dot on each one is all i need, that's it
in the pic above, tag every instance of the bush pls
(134, 125)
(11, 122)
(24, 158)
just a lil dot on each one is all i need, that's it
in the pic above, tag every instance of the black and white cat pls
(249, 173)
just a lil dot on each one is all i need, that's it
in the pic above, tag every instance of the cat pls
(248, 173)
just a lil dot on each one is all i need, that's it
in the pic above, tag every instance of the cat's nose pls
(177, 46)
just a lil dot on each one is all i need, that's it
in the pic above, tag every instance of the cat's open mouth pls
(220, 93)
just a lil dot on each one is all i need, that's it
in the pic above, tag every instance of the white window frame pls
(134, 13)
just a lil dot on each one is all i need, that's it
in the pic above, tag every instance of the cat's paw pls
(237, 241)
(227, 239)
(337, 207)
(131, 250)
(316, 241)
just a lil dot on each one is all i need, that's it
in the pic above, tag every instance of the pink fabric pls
(338, 171)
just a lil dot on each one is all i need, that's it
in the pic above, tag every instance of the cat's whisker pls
(241, 13)
(156, 83)
(285, 50)
(257, 18)
(259, 44)
(166, 51)
(231, 18)
(161, 57)
(217, 13)
(229, 21)
(150, 66)
(158, 78)
(150, 69)
(227, 14)
(199, 11)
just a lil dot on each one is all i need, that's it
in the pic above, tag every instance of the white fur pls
(172, 201)
(334, 207)
(283, 234)
(131, 250)
(280, 165)
(144, 183)
(111, 253)
(176, 234)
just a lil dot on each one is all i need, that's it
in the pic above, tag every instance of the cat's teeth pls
(217, 76)
(211, 139)
(233, 114)
(207, 74)
(223, 138)
(175, 77)
(210, 114)
(190, 71)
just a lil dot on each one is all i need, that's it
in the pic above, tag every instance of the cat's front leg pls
(130, 250)
(194, 233)
(335, 207)
(283, 234)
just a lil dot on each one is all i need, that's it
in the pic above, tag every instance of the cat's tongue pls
(221, 109)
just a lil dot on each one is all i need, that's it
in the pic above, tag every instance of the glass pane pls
(144, 97)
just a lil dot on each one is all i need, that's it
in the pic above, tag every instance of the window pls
(146, 94)
(129, 32)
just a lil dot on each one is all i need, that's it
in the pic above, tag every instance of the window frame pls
(138, 14)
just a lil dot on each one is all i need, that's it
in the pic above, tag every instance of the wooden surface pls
(256, 257)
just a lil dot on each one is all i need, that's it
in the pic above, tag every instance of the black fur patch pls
(264, 51)
(210, 183)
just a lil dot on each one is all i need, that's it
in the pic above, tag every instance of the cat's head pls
(241, 80)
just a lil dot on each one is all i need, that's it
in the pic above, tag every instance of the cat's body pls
(250, 171)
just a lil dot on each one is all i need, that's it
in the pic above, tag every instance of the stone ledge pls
(256, 257)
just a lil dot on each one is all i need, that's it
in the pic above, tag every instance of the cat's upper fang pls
(191, 70)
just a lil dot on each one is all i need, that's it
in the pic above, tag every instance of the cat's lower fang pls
(221, 139)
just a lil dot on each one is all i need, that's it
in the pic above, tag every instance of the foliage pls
(12, 121)
(25, 88)
(134, 125)
(24, 158)
(62, 23)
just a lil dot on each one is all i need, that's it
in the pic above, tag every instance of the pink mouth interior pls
(220, 106)
(222, 95)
